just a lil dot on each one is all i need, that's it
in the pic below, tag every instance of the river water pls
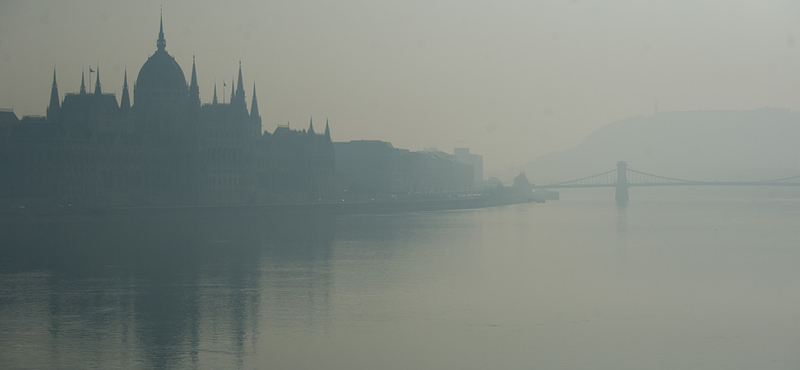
(677, 279)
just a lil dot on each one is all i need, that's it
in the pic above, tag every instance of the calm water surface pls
(676, 280)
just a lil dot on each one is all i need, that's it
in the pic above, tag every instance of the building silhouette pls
(476, 161)
(372, 169)
(163, 147)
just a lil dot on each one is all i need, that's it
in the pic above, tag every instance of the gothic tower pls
(54, 109)
(238, 100)
(214, 101)
(194, 89)
(97, 89)
(83, 79)
(233, 88)
(125, 101)
(255, 117)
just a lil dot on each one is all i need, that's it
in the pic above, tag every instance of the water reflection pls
(158, 294)
(622, 233)
(682, 283)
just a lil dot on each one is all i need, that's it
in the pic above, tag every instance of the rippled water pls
(675, 280)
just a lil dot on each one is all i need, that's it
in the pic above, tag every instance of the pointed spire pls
(194, 89)
(194, 72)
(240, 89)
(327, 129)
(255, 117)
(233, 85)
(83, 79)
(125, 101)
(254, 103)
(161, 44)
(215, 93)
(97, 89)
(54, 102)
(55, 107)
(239, 82)
(311, 125)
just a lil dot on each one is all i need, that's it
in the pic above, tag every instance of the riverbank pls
(22, 215)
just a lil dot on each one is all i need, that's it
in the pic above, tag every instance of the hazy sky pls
(510, 79)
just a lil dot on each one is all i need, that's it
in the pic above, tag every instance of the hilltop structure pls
(163, 147)
(734, 145)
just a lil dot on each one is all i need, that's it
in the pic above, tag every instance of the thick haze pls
(512, 80)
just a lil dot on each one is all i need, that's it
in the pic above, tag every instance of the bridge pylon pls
(622, 182)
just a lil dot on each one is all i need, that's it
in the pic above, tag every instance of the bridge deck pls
(619, 178)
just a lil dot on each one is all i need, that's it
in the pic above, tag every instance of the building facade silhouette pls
(163, 147)
(370, 169)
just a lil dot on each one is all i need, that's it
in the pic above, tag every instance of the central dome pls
(161, 72)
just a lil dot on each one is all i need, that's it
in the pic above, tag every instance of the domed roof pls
(161, 72)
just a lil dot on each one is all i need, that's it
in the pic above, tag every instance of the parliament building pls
(159, 147)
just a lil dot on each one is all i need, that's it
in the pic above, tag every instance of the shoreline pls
(19, 216)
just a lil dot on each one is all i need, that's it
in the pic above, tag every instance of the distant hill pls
(701, 145)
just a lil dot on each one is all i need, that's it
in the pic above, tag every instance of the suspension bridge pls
(623, 178)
